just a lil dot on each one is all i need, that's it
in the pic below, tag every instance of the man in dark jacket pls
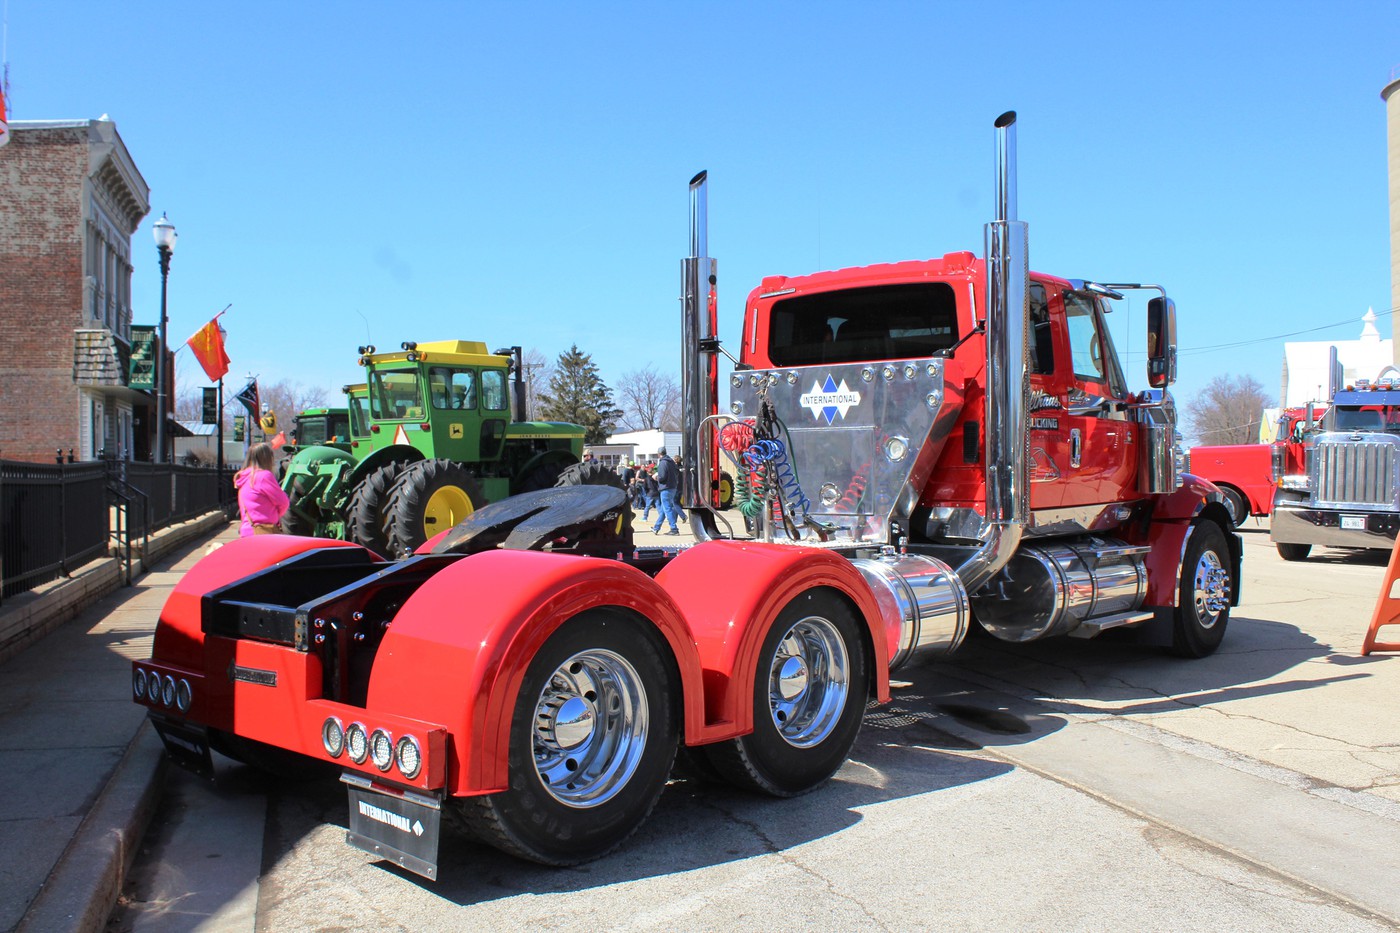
(668, 477)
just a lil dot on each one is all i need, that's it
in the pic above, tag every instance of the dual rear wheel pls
(596, 728)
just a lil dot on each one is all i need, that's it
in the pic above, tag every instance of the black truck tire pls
(1293, 551)
(592, 740)
(1203, 600)
(430, 496)
(811, 686)
(1236, 505)
(364, 518)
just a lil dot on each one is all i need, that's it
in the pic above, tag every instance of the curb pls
(83, 887)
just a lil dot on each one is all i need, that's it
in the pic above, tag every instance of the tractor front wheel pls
(431, 496)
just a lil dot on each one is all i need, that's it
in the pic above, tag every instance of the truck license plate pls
(403, 829)
(1354, 522)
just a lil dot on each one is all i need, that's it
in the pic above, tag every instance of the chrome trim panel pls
(1350, 470)
(1289, 525)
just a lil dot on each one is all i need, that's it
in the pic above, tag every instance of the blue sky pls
(516, 172)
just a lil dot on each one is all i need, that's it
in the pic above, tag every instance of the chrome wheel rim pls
(1211, 589)
(808, 682)
(590, 728)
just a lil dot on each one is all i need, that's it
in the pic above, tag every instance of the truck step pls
(1091, 627)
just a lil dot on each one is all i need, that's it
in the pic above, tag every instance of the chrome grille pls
(1355, 472)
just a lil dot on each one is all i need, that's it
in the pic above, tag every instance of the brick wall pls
(42, 173)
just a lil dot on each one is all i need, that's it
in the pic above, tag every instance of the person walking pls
(261, 502)
(668, 478)
(650, 491)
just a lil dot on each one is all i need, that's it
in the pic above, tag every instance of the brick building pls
(70, 200)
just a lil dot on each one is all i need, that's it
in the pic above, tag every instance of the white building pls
(1305, 362)
(635, 447)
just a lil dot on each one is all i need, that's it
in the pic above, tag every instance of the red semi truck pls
(1245, 473)
(922, 446)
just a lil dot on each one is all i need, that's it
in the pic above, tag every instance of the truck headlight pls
(1296, 483)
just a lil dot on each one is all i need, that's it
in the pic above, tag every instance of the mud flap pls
(186, 744)
(401, 826)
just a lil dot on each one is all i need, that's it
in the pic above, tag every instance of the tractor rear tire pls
(293, 522)
(431, 496)
(809, 698)
(364, 519)
(590, 473)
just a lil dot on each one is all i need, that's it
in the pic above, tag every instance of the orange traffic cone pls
(1387, 608)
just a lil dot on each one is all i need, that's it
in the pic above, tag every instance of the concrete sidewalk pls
(84, 768)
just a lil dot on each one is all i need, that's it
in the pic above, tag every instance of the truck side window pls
(493, 389)
(1042, 346)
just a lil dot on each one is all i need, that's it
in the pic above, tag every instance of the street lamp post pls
(164, 232)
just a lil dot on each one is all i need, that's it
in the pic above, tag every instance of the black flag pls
(249, 398)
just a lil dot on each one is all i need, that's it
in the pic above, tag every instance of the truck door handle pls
(1076, 447)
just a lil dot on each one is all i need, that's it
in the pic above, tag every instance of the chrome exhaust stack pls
(1007, 323)
(699, 367)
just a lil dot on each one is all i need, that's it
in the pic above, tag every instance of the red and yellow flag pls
(4, 129)
(208, 347)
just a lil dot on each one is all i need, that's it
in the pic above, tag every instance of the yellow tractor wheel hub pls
(446, 507)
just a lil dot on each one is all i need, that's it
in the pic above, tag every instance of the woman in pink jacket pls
(261, 500)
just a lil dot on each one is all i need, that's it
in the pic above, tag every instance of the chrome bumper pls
(1291, 525)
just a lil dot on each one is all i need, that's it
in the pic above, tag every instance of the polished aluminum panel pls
(839, 420)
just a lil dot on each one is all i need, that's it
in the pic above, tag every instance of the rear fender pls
(458, 650)
(179, 636)
(732, 591)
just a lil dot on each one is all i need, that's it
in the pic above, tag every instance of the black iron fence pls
(56, 517)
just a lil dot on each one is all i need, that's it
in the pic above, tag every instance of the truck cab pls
(1339, 484)
(855, 334)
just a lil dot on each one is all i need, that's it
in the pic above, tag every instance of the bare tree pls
(649, 399)
(1228, 410)
(538, 373)
(284, 398)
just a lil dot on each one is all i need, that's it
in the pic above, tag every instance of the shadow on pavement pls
(694, 825)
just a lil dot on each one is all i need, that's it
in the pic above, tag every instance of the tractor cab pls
(448, 399)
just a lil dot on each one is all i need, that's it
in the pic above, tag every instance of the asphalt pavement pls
(86, 767)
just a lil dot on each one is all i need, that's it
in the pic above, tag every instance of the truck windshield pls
(1367, 418)
(883, 322)
(395, 395)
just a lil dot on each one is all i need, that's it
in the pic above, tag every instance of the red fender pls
(459, 648)
(179, 638)
(1188, 500)
(1172, 517)
(731, 592)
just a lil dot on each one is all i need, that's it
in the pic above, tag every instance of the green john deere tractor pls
(431, 441)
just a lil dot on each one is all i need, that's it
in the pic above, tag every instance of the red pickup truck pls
(1244, 472)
